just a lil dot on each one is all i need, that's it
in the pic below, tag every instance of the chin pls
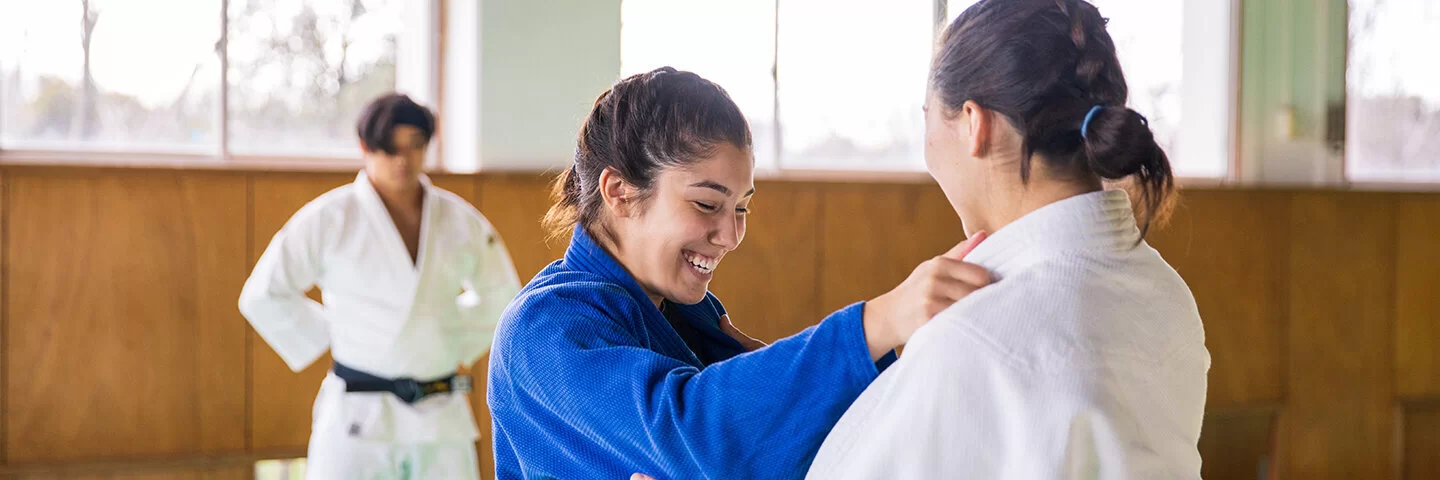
(687, 297)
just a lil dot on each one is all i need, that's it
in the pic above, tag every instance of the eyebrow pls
(719, 188)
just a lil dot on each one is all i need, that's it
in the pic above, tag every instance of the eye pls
(742, 210)
(705, 206)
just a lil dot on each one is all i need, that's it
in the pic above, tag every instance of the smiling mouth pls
(701, 263)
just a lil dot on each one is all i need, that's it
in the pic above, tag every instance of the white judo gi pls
(387, 316)
(1086, 359)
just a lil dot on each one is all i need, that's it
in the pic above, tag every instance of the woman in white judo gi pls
(414, 280)
(1086, 358)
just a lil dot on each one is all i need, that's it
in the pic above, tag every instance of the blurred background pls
(149, 149)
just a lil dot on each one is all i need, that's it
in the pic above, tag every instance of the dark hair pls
(1044, 65)
(380, 117)
(644, 123)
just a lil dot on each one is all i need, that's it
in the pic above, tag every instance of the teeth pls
(704, 264)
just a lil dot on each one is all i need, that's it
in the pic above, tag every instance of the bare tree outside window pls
(300, 70)
(104, 74)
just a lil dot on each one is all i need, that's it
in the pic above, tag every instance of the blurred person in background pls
(390, 252)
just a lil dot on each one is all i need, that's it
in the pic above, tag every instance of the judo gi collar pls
(1102, 220)
(586, 254)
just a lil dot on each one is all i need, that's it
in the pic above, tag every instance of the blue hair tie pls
(1085, 126)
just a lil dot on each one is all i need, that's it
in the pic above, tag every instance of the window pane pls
(301, 70)
(280, 469)
(138, 81)
(852, 83)
(1393, 131)
(730, 42)
(1149, 37)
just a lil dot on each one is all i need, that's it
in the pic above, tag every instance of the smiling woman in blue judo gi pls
(616, 359)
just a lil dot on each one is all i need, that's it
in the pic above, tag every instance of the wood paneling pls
(873, 235)
(1231, 247)
(1338, 421)
(514, 204)
(1237, 445)
(463, 185)
(1417, 298)
(123, 338)
(485, 444)
(281, 400)
(4, 308)
(1422, 442)
(769, 284)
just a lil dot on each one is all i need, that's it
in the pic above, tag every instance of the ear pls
(619, 195)
(976, 124)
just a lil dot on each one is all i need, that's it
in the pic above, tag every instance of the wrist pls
(879, 337)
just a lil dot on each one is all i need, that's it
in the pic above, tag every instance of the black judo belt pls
(407, 389)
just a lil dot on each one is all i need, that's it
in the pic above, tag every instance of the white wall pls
(534, 68)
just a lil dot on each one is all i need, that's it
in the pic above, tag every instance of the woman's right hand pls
(935, 285)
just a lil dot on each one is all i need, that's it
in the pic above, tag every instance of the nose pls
(727, 232)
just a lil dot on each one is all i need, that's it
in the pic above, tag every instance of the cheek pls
(936, 145)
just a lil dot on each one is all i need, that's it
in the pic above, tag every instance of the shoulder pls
(1077, 313)
(460, 210)
(566, 300)
(329, 207)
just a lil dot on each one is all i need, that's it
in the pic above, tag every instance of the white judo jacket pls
(383, 314)
(1085, 359)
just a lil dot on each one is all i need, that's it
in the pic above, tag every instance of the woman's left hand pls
(750, 343)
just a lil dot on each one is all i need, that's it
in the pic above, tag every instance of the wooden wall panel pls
(463, 185)
(1237, 444)
(514, 204)
(122, 325)
(281, 400)
(1422, 442)
(769, 284)
(4, 308)
(1319, 308)
(1417, 298)
(1339, 416)
(873, 235)
(1231, 247)
(485, 444)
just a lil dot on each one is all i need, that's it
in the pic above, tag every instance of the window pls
(849, 75)
(300, 70)
(104, 74)
(1176, 57)
(280, 469)
(117, 75)
(730, 42)
(1393, 90)
(852, 79)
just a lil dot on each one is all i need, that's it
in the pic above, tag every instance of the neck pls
(1006, 205)
(605, 242)
(398, 193)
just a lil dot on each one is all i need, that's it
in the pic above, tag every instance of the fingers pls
(641, 476)
(949, 291)
(958, 252)
(951, 269)
(725, 324)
